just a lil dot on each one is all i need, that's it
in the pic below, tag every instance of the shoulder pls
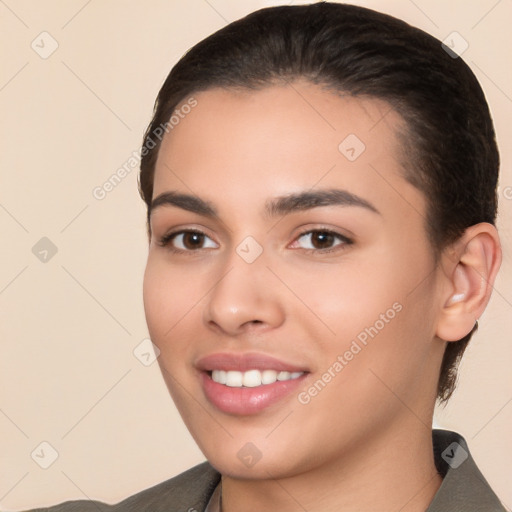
(464, 488)
(187, 492)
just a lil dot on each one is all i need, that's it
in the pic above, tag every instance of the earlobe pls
(470, 281)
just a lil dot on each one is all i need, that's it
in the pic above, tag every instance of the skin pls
(369, 429)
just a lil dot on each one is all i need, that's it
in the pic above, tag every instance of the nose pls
(244, 298)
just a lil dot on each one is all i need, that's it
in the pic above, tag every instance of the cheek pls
(169, 304)
(155, 300)
(371, 302)
(393, 327)
(347, 296)
(168, 298)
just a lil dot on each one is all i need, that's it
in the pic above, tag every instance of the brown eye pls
(321, 240)
(192, 240)
(187, 241)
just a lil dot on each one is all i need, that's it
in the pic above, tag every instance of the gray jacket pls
(464, 489)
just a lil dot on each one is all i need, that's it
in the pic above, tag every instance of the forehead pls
(293, 111)
(249, 144)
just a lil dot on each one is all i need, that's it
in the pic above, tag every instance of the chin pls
(276, 465)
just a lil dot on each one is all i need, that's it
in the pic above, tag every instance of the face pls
(290, 286)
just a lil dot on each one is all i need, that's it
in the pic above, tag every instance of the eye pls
(187, 241)
(320, 240)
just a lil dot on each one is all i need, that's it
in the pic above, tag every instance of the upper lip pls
(244, 362)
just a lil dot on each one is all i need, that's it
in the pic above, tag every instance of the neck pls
(394, 472)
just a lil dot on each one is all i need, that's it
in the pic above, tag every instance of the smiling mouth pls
(248, 383)
(251, 378)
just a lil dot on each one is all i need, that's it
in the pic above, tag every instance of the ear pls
(471, 265)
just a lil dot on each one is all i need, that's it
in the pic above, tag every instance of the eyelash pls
(165, 240)
(338, 247)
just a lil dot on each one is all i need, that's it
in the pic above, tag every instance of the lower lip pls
(245, 401)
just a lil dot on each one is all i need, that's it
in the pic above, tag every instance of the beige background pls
(69, 326)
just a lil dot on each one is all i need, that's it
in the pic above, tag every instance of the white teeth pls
(268, 376)
(251, 378)
(219, 376)
(234, 379)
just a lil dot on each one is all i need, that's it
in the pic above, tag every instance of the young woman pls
(320, 183)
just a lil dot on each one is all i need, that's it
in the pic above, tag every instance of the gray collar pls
(463, 489)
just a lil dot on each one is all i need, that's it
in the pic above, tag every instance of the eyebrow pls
(187, 202)
(313, 199)
(283, 205)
